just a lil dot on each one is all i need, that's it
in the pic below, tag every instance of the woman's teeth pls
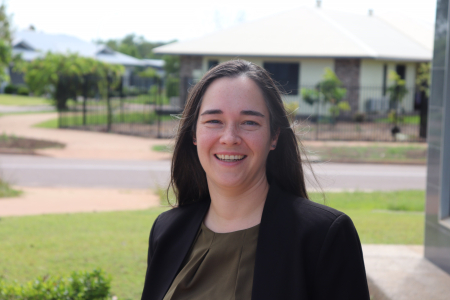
(230, 158)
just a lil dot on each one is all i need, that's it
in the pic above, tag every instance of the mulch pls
(20, 145)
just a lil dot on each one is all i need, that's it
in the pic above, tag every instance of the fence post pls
(159, 101)
(318, 116)
(59, 117)
(423, 115)
(108, 105)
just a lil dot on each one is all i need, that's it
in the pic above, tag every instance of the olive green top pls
(219, 266)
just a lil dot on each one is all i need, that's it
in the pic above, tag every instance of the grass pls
(7, 191)
(402, 120)
(147, 99)
(59, 244)
(372, 153)
(17, 100)
(382, 217)
(101, 119)
(163, 148)
(392, 154)
(52, 124)
(117, 241)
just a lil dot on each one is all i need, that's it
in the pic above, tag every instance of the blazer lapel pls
(269, 252)
(173, 248)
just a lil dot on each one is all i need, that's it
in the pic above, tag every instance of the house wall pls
(190, 69)
(349, 72)
(367, 74)
(311, 72)
(372, 74)
(126, 76)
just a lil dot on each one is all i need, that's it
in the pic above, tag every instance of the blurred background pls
(90, 92)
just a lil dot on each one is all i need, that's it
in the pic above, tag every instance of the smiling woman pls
(243, 227)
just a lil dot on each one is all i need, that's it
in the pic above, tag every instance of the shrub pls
(10, 89)
(172, 87)
(23, 90)
(359, 117)
(93, 285)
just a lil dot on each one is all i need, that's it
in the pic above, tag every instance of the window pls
(385, 75)
(401, 71)
(212, 64)
(286, 74)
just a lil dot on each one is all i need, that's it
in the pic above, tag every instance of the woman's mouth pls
(229, 158)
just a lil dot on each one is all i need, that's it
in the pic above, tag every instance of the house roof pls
(32, 44)
(317, 32)
(155, 63)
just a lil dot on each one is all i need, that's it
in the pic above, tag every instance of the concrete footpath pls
(38, 201)
(400, 272)
(82, 144)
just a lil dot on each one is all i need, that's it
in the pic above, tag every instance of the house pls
(32, 44)
(297, 45)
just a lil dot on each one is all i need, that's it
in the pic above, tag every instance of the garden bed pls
(10, 144)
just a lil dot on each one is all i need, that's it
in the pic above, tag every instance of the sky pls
(166, 20)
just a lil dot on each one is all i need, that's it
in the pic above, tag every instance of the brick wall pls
(188, 63)
(348, 71)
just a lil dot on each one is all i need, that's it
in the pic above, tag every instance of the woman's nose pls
(230, 136)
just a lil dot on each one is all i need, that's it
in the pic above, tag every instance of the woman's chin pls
(229, 182)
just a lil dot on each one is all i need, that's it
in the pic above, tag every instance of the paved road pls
(52, 172)
(26, 108)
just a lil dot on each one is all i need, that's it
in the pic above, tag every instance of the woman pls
(243, 227)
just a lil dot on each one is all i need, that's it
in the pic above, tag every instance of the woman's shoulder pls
(305, 212)
(178, 216)
(303, 206)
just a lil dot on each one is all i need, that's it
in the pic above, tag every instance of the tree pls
(330, 91)
(423, 79)
(138, 47)
(5, 43)
(133, 45)
(66, 76)
(172, 69)
(396, 91)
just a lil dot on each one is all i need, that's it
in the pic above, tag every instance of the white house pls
(32, 44)
(297, 45)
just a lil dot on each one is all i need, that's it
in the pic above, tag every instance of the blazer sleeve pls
(151, 249)
(340, 272)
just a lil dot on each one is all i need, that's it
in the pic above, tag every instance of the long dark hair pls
(284, 163)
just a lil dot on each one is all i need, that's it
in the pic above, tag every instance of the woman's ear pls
(275, 140)
(194, 141)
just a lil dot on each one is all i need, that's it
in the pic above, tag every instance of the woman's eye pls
(213, 122)
(250, 123)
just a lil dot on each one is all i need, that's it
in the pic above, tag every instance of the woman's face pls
(233, 133)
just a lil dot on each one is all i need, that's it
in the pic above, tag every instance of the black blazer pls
(305, 251)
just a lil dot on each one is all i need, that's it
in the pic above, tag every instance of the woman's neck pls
(233, 210)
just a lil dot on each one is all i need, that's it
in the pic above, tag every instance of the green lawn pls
(388, 154)
(101, 119)
(163, 148)
(17, 100)
(373, 153)
(147, 99)
(382, 217)
(59, 244)
(117, 241)
(7, 191)
(402, 120)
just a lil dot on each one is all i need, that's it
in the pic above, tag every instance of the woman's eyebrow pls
(252, 113)
(243, 112)
(212, 112)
